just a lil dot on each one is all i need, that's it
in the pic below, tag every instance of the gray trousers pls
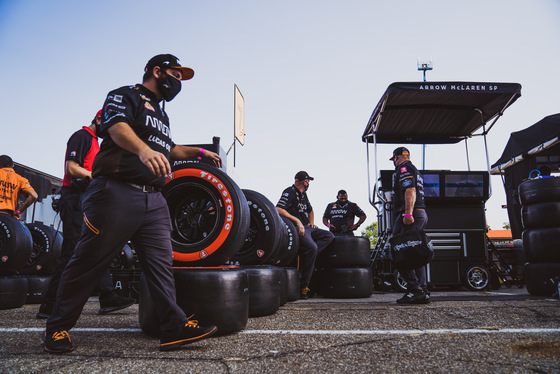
(416, 278)
(115, 213)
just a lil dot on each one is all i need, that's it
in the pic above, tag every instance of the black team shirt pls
(138, 107)
(342, 214)
(406, 176)
(295, 203)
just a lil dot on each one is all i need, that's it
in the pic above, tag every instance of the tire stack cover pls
(540, 215)
(343, 269)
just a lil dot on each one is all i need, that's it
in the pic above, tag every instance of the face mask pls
(168, 86)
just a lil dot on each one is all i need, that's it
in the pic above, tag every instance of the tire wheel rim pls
(477, 278)
(400, 281)
(195, 214)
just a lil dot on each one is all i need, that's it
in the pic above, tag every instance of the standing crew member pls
(123, 202)
(82, 147)
(409, 209)
(295, 205)
(339, 216)
(11, 184)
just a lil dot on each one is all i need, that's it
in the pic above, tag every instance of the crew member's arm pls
(284, 212)
(181, 152)
(31, 197)
(327, 217)
(361, 220)
(123, 135)
(409, 200)
(74, 170)
(329, 225)
(311, 217)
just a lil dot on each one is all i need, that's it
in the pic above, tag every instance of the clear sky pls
(311, 73)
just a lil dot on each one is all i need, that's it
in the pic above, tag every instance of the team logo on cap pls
(260, 253)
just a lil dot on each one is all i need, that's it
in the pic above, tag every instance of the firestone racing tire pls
(542, 245)
(209, 215)
(345, 282)
(266, 235)
(290, 250)
(16, 245)
(37, 287)
(345, 252)
(264, 289)
(13, 292)
(212, 296)
(541, 215)
(47, 244)
(124, 260)
(540, 278)
(293, 284)
(539, 190)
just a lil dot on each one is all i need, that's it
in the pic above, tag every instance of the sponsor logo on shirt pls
(149, 107)
(73, 154)
(403, 169)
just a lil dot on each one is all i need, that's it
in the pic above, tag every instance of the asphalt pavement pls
(504, 331)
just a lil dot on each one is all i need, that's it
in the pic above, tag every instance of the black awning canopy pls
(437, 112)
(541, 138)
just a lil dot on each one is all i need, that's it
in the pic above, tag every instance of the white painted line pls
(403, 332)
(85, 329)
(489, 330)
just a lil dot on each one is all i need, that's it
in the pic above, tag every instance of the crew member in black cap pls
(295, 205)
(409, 209)
(123, 203)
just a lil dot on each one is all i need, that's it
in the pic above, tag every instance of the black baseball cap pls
(302, 175)
(166, 61)
(400, 151)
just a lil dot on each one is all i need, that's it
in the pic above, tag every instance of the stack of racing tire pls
(540, 213)
(232, 251)
(28, 254)
(342, 269)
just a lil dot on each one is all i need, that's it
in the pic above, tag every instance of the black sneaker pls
(57, 342)
(414, 297)
(305, 293)
(191, 332)
(115, 303)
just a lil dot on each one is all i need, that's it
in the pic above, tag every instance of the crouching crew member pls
(123, 202)
(339, 216)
